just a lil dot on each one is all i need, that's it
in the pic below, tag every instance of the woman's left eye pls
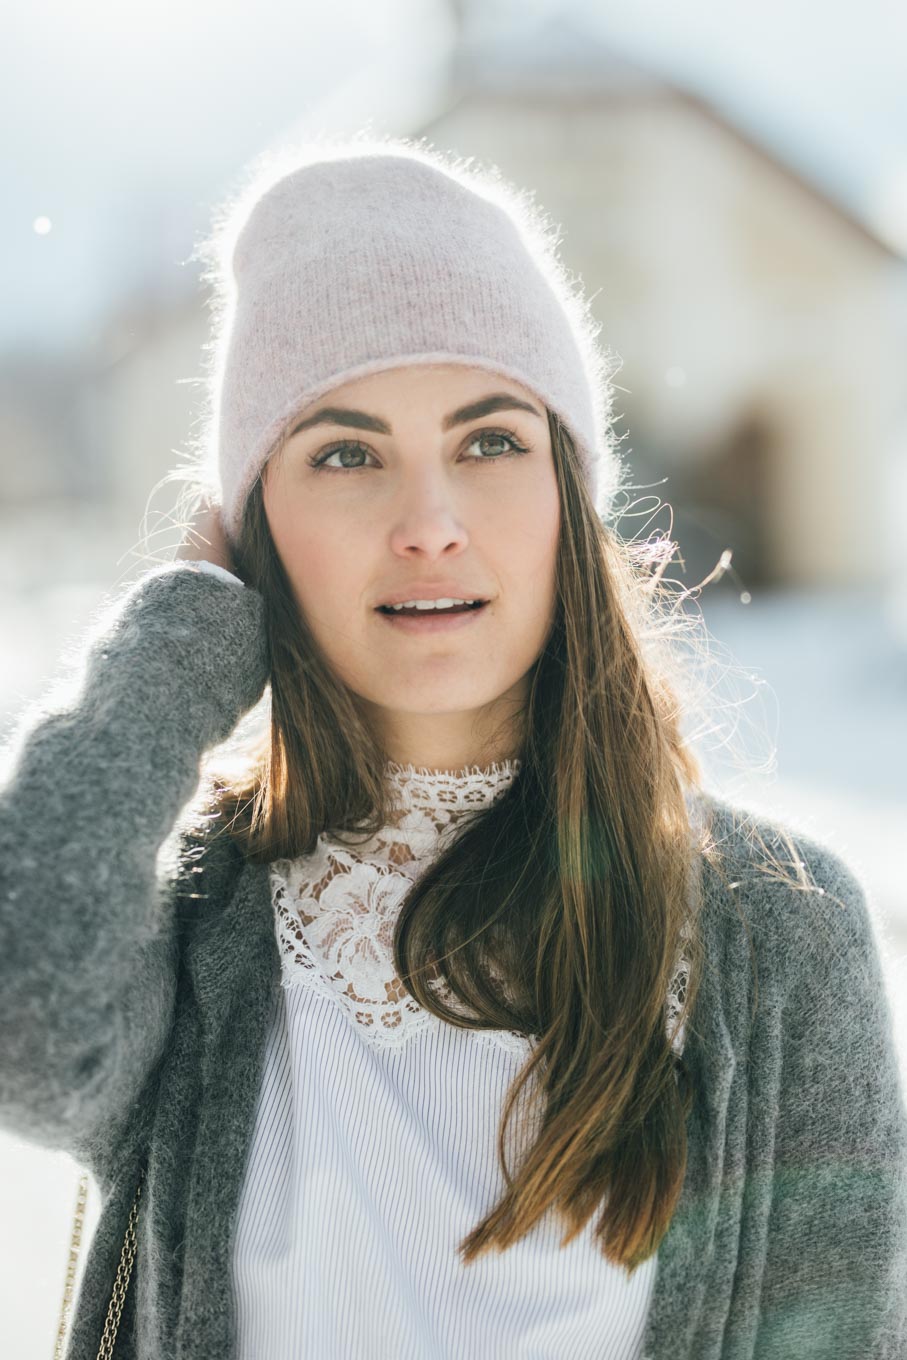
(320, 459)
(508, 435)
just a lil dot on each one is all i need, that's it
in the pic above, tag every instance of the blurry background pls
(732, 189)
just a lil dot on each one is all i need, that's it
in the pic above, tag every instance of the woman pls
(469, 865)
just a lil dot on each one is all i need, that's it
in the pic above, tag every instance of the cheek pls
(306, 546)
(536, 531)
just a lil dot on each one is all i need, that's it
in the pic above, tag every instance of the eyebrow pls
(361, 420)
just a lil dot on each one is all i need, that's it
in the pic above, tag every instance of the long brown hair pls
(561, 910)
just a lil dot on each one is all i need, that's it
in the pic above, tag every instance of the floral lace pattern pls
(336, 909)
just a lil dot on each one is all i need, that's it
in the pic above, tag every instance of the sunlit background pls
(732, 189)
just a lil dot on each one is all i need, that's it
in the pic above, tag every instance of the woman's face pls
(416, 491)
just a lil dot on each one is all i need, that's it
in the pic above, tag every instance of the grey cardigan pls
(139, 972)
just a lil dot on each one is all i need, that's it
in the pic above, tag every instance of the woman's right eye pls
(320, 460)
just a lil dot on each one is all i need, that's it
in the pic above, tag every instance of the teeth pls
(428, 604)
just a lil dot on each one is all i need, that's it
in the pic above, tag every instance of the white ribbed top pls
(374, 1151)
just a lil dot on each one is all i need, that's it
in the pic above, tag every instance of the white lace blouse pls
(374, 1150)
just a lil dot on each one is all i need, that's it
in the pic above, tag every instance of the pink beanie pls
(373, 253)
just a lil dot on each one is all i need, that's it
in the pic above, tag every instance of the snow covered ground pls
(812, 728)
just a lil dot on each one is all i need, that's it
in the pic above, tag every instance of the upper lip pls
(431, 590)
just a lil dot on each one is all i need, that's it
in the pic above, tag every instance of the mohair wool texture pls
(139, 969)
(366, 256)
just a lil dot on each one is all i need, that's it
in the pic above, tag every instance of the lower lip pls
(432, 623)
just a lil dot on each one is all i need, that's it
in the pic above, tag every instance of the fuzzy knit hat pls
(350, 257)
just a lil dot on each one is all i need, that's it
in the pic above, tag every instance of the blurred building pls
(761, 324)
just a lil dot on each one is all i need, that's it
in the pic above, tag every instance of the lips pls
(424, 622)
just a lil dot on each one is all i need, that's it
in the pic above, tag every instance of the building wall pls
(732, 293)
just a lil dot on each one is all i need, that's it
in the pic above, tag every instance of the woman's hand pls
(206, 541)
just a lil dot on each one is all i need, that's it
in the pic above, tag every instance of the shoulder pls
(804, 906)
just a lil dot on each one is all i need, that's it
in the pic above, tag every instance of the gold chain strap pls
(81, 1198)
(120, 1284)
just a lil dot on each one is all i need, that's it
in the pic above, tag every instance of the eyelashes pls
(318, 461)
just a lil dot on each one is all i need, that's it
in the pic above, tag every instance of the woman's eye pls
(354, 447)
(500, 435)
(320, 459)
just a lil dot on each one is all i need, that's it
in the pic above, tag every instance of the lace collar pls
(428, 802)
(336, 909)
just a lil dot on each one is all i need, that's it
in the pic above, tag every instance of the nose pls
(427, 522)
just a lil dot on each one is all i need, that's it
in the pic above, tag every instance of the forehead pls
(429, 381)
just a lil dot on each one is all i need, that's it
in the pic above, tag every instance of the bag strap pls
(120, 1284)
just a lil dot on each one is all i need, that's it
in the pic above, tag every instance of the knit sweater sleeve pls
(92, 784)
(835, 1278)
